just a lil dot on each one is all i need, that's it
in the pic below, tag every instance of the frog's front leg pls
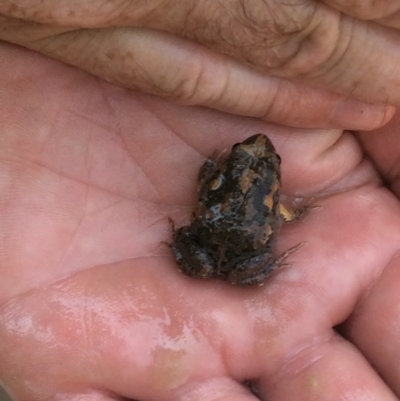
(255, 270)
(191, 257)
(290, 216)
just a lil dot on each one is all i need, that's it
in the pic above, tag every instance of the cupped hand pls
(331, 63)
(92, 304)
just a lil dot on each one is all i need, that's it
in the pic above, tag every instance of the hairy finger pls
(165, 65)
(307, 42)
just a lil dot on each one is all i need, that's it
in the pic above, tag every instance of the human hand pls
(92, 304)
(305, 64)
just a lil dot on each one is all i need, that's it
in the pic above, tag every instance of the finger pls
(161, 64)
(331, 370)
(219, 389)
(328, 49)
(87, 396)
(385, 12)
(306, 41)
(383, 147)
(374, 327)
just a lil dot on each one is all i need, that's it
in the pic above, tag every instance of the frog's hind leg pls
(260, 276)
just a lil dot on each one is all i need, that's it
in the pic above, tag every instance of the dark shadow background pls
(4, 396)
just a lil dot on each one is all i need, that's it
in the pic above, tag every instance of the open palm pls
(91, 300)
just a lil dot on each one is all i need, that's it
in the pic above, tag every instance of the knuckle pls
(196, 84)
(182, 83)
(277, 17)
(367, 9)
(313, 50)
(275, 30)
(287, 39)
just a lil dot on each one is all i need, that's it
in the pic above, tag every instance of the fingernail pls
(353, 115)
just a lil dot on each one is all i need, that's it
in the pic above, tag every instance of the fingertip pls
(351, 114)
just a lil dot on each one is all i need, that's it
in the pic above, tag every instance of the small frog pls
(235, 225)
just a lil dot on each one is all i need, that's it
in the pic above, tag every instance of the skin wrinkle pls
(186, 89)
(171, 128)
(294, 364)
(191, 12)
(284, 39)
(384, 115)
(301, 48)
(164, 123)
(126, 147)
(338, 60)
(74, 234)
(223, 89)
(141, 71)
(85, 183)
(141, 168)
(283, 28)
(295, 27)
(272, 103)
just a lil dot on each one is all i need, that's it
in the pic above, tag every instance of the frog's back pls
(239, 202)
